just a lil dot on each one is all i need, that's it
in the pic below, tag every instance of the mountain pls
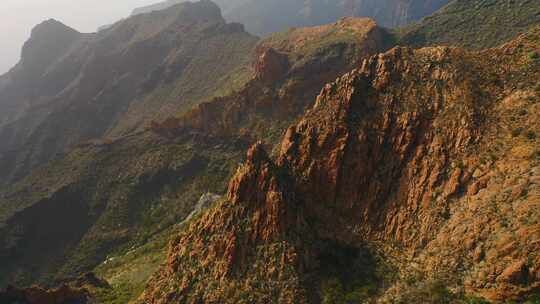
(126, 195)
(89, 86)
(264, 17)
(374, 173)
(49, 42)
(413, 178)
(474, 24)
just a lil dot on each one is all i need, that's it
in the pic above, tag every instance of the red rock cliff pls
(400, 154)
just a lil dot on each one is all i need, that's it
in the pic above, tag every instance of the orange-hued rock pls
(270, 65)
(256, 260)
(516, 273)
(409, 153)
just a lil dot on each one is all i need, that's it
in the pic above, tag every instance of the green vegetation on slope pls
(474, 24)
(105, 198)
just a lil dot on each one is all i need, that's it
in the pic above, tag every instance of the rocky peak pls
(272, 190)
(270, 65)
(48, 40)
(257, 154)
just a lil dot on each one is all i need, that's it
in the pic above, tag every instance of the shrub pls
(332, 292)
(517, 132)
(534, 299)
(531, 135)
(534, 55)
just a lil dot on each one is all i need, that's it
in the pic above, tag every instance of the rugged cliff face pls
(231, 251)
(71, 87)
(126, 192)
(398, 157)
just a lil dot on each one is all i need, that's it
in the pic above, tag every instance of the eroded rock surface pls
(399, 154)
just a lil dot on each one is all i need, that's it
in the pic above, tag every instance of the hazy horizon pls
(17, 18)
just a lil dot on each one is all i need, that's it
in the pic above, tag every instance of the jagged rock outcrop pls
(230, 265)
(270, 65)
(355, 132)
(398, 154)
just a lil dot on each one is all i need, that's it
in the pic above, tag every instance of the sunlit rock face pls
(397, 155)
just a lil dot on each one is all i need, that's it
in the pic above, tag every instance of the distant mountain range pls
(263, 17)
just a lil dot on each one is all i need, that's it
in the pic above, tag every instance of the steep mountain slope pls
(423, 161)
(31, 78)
(474, 24)
(111, 82)
(68, 216)
(130, 191)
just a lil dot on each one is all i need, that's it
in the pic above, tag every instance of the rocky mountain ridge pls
(392, 155)
(412, 177)
(130, 189)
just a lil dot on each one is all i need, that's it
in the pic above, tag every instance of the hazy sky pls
(18, 17)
